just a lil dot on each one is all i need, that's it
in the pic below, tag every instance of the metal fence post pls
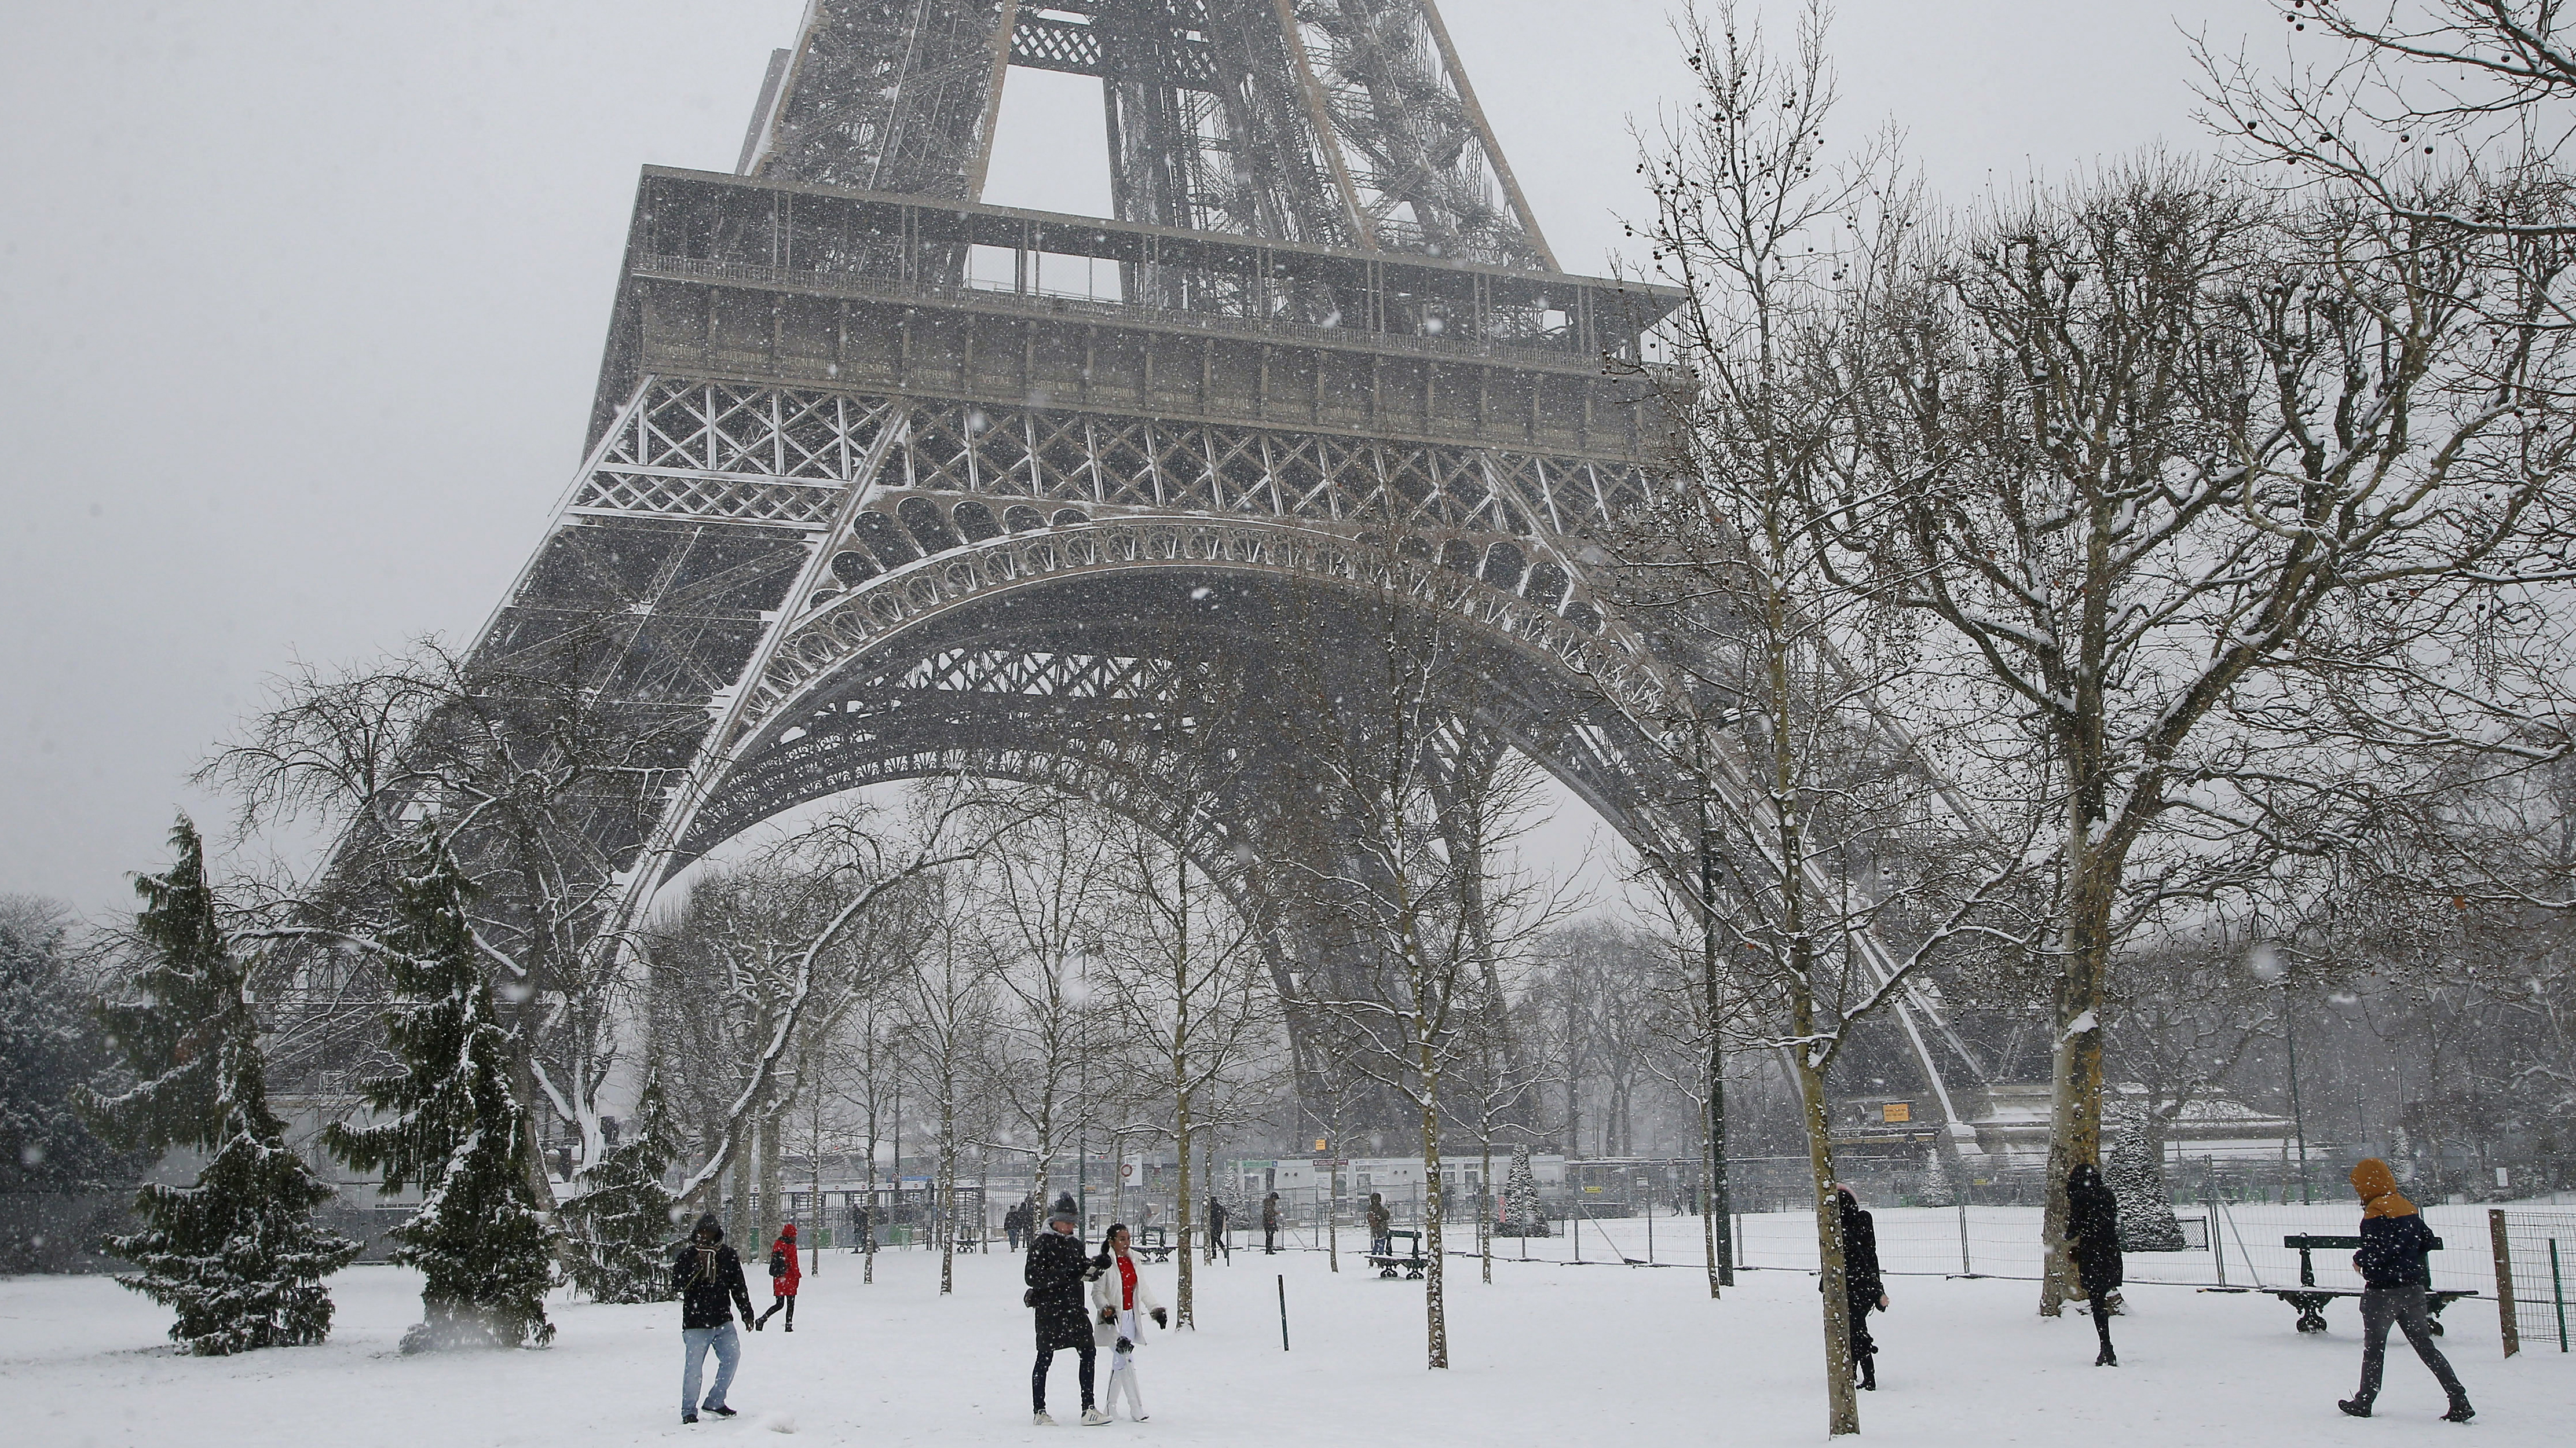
(2558, 1294)
(2504, 1280)
(1967, 1268)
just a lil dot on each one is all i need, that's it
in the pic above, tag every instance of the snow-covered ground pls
(1549, 1354)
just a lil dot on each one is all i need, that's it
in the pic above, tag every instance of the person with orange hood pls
(2394, 1276)
(784, 1274)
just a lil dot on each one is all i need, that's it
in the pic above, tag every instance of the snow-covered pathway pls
(1550, 1354)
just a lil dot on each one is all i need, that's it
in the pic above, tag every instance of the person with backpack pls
(2394, 1276)
(1055, 1271)
(784, 1274)
(708, 1278)
(2093, 1240)
(1121, 1301)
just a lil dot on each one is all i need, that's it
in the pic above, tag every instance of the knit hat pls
(788, 1231)
(1063, 1212)
(709, 1227)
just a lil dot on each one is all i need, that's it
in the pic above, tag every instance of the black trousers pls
(1862, 1344)
(1038, 1377)
(2404, 1307)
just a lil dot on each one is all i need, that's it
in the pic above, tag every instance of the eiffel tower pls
(883, 482)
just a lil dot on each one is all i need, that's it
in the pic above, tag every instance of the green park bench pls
(2310, 1300)
(1388, 1264)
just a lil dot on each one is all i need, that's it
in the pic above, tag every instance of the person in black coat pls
(1055, 1271)
(2394, 1275)
(2093, 1240)
(1863, 1288)
(708, 1277)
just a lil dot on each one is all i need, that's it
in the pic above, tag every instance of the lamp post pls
(2270, 968)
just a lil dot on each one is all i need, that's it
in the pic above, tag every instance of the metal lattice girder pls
(1338, 122)
(887, 95)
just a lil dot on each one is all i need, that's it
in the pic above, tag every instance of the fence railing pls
(2535, 1253)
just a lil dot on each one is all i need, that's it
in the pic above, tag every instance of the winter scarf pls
(2378, 1188)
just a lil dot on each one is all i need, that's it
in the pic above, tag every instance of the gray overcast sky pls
(301, 300)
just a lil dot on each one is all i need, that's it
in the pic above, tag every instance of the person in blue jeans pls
(709, 1278)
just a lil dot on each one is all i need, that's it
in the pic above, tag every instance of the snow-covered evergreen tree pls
(448, 1121)
(1523, 1215)
(1940, 1181)
(621, 1222)
(2135, 1175)
(237, 1253)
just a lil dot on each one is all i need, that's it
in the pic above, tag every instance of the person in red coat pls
(783, 1277)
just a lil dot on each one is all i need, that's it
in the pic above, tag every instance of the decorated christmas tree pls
(621, 1222)
(1523, 1216)
(448, 1122)
(236, 1253)
(1940, 1181)
(2146, 1204)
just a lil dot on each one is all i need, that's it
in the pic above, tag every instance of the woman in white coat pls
(1121, 1299)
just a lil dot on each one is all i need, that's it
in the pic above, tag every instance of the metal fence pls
(2536, 1253)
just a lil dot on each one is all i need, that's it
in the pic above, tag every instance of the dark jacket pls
(708, 1277)
(2392, 1251)
(1860, 1252)
(2093, 1229)
(1054, 1270)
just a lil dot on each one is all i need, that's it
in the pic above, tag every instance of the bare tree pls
(1044, 892)
(1848, 864)
(946, 1005)
(1189, 988)
(514, 767)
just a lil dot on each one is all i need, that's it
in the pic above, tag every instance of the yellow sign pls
(1319, 1146)
(1896, 1111)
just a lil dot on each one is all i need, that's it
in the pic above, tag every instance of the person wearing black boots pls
(2394, 1275)
(2093, 1240)
(1863, 1288)
(1056, 1270)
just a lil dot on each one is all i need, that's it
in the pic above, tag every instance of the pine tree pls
(1523, 1216)
(1940, 1181)
(2137, 1178)
(448, 1121)
(621, 1222)
(237, 1253)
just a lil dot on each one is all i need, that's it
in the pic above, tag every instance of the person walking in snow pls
(1381, 1225)
(1863, 1288)
(1270, 1225)
(1015, 1223)
(1120, 1301)
(1216, 1231)
(2093, 1240)
(1055, 1271)
(2394, 1276)
(709, 1278)
(784, 1274)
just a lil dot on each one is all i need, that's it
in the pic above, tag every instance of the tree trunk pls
(1842, 1404)
(1435, 1305)
(773, 1175)
(1183, 1306)
(2075, 1066)
(946, 1194)
(1485, 1208)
